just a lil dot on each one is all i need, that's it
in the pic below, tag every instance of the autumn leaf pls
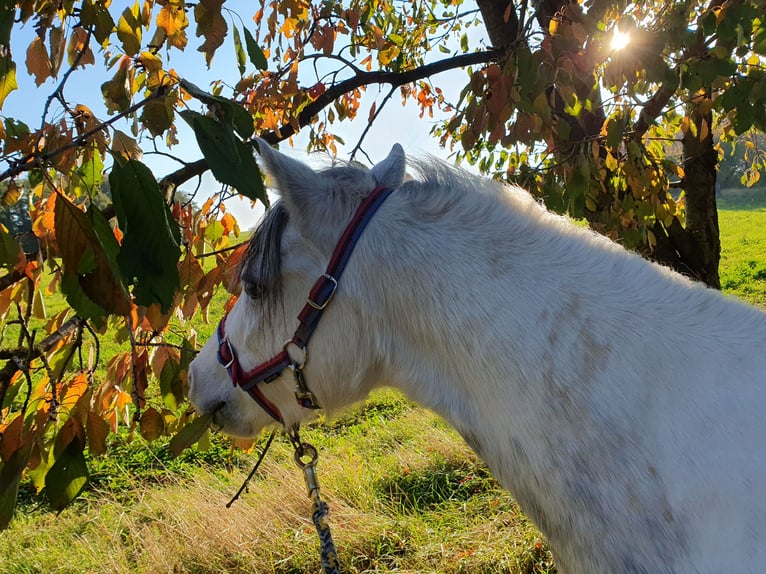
(57, 41)
(151, 425)
(79, 49)
(189, 434)
(210, 25)
(91, 282)
(125, 145)
(7, 78)
(173, 21)
(129, 30)
(115, 91)
(38, 62)
(157, 115)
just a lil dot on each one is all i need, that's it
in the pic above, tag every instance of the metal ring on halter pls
(304, 350)
(306, 450)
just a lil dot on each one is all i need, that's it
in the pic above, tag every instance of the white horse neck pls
(578, 371)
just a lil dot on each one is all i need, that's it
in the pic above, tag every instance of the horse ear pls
(390, 171)
(294, 179)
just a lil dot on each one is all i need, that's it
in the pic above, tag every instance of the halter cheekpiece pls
(319, 297)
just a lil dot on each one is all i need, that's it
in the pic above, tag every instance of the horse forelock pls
(261, 268)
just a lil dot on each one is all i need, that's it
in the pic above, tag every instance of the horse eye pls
(256, 291)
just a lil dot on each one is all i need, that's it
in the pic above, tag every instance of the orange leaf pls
(152, 425)
(38, 62)
(96, 430)
(10, 437)
(79, 47)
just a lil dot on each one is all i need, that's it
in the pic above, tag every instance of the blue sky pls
(395, 124)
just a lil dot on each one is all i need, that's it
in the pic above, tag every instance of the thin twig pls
(370, 121)
(33, 160)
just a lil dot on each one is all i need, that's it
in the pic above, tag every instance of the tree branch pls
(28, 355)
(33, 160)
(170, 182)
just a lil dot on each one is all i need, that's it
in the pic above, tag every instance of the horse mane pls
(261, 267)
(432, 189)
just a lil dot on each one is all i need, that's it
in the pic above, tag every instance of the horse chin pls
(236, 425)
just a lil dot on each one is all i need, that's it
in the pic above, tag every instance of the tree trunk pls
(700, 160)
(693, 250)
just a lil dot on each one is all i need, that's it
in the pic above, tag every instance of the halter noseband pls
(319, 297)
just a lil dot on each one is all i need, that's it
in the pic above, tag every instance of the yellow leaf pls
(11, 195)
(172, 19)
(7, 79)
(38, 63)
(610, 162)
(129, 30)
(153, 66)
(385, 57)
(685, 123)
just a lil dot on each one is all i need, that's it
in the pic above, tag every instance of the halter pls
(319, 297)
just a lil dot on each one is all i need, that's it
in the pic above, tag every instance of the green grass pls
(405, 492)
(405, 495)
(743, 253)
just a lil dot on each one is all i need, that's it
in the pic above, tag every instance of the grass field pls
(405, 493)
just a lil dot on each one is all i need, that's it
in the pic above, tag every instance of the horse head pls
(289, 250)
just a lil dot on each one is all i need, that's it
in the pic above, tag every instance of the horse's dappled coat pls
(623, 405)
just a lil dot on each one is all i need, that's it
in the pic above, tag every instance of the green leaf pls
(9, 248)
(90, 172)
(150, 250)
(97, 17)
(229, 113)
(68, 475)
(157, 115)
(10, 477)
(171, 386)
(239, 52)
(190, 434)
(254, 52)
(230, 160)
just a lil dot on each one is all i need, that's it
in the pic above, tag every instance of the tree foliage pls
(621, 137)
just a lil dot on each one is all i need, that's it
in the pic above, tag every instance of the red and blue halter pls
(318, 298)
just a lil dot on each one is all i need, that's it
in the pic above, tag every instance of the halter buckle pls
(319, 287)
(226, 364)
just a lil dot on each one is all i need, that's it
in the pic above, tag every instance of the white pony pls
(623, 405)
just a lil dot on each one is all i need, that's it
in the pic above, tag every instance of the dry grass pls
(405, 495)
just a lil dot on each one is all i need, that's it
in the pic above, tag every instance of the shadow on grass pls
(432, 487)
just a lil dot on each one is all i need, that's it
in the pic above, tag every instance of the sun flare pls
(620, 39)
